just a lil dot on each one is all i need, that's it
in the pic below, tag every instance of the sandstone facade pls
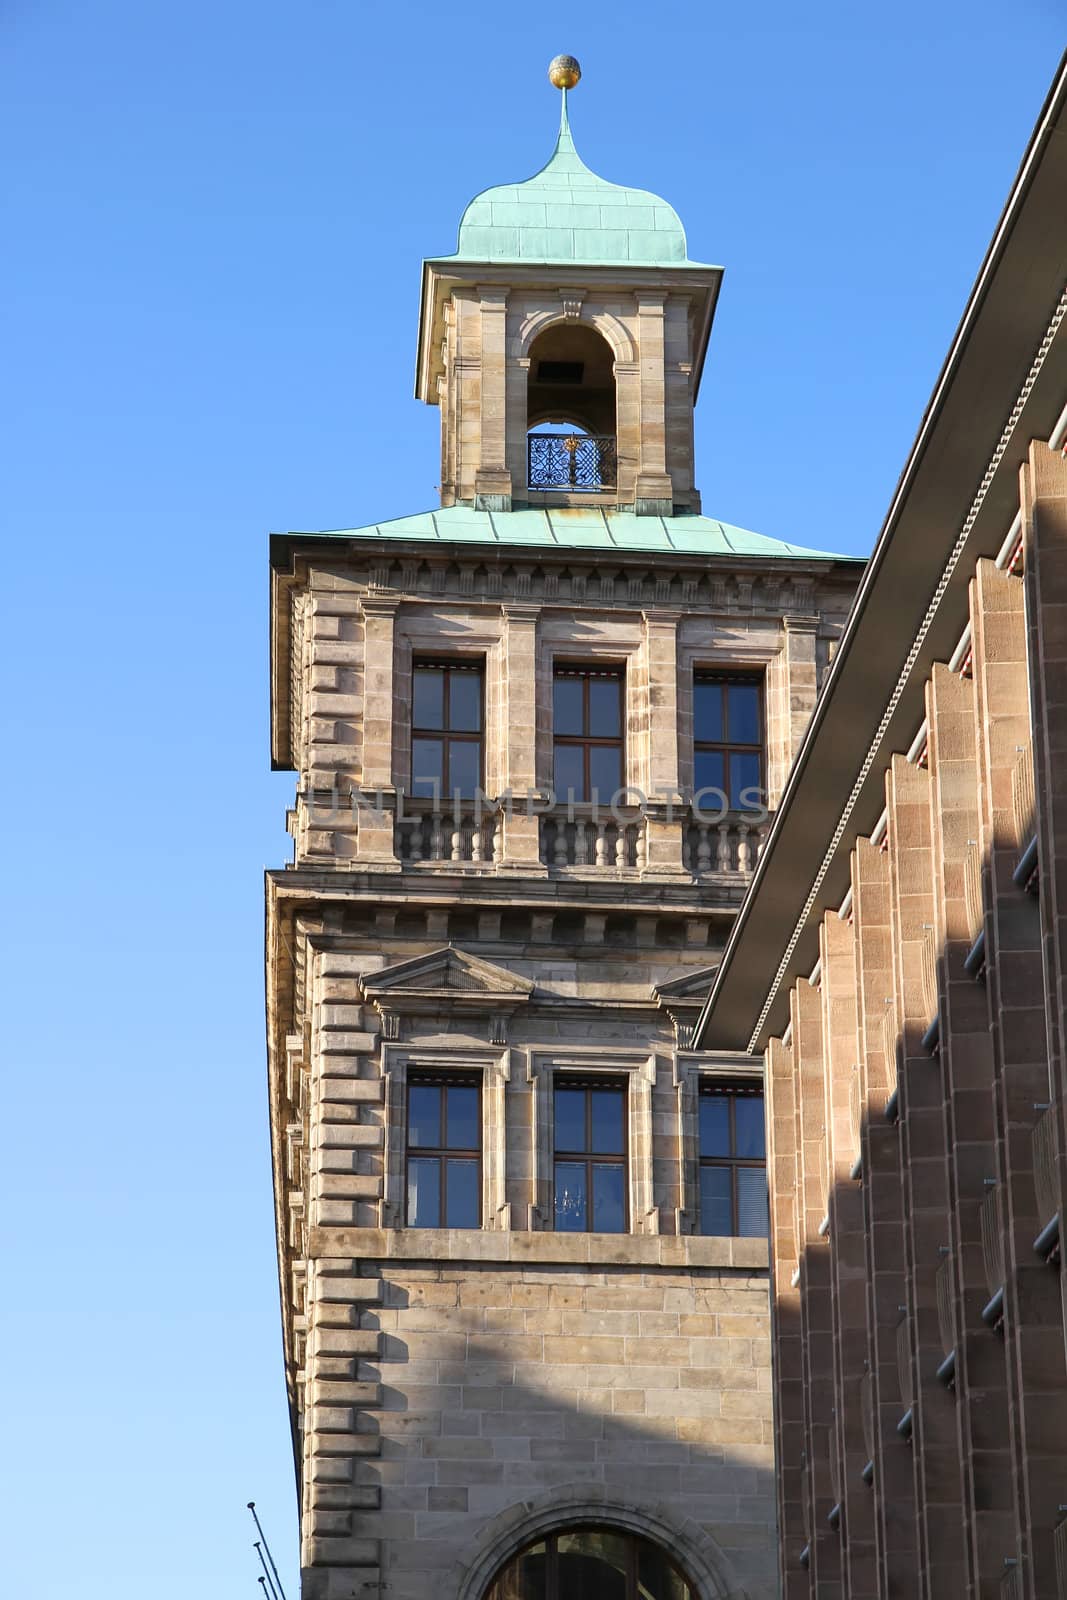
(462, 1392)
(450, 1387)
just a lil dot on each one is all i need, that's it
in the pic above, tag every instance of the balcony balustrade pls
(943, 1284)
(581, 462)
(584, 839)
(602, 843)
(464, 833)
(1022, 798)
(728, 847)
(904, 1372)
(1047, 1187)
(993, 1238)
(1046, 1183)
(1059, 1539)
(866, 1383)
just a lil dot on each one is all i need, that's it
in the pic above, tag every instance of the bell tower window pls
(571, 425)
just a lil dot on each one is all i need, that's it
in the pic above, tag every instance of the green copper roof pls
(589, 528)
(566, 213)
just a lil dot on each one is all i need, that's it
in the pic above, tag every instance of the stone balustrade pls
(465, 834)
(599, 842)
(729, 846)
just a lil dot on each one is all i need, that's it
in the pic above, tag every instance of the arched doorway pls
(590, 1563)
(571, 410)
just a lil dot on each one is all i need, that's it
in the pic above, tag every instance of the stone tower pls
(537, 733)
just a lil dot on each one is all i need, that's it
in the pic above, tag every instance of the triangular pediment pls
(691, 988)
(446, 972)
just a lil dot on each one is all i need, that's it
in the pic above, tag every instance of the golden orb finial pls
(564, 72)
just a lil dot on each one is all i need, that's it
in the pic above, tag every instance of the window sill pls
(600, 1249)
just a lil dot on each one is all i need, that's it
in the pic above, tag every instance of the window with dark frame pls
(444, 1150)
(587, 733)
(728, 742)
(733, 1159)
(591, 1561)
(590, 1166)
(447, 721)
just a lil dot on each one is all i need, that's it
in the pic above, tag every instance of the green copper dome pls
(566, 213)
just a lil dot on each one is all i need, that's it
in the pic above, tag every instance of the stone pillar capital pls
(519, 613)
(794, 624)
(380, 605)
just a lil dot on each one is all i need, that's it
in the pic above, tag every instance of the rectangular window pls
(447, 718)
(728, 750)
(444, 1151)
(733, 1160)
(587, 733)
(589, 1124)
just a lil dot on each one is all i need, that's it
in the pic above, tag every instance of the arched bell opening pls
(571, 411)
(591, 1563)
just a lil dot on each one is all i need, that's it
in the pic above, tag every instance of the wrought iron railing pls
(571, 461)
(993, 1236)
(944, 1286)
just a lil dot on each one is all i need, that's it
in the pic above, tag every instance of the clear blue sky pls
(216, 217)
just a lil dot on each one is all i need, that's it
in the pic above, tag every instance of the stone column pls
(465, 388)
(657, 727)
(923, 1146)
(801, 683)
(678, 402)
(517, 735)
(628, 428)
(895, 1512)
(824, 1550)
(654, 493)
(789, 1438)
(859, 1556)
(374, 840)
(492, 485)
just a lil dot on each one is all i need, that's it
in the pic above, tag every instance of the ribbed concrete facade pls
(916, 1141)
(901, 960)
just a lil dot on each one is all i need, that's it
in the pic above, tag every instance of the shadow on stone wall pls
(921, 1382)
(515, 1401)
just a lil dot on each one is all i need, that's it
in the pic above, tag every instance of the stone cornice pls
(684, 1251)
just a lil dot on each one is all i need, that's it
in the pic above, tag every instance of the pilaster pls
(883, 1182)
(824, 1554)
(926, 1186)
(791, 689)
(654, 494)
(785, 1317)
(965, 1046)
(847, 1249)
(518, 710)
(658, 730)
(492, 484)
(374, 842)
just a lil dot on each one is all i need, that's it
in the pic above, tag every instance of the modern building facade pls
(900, 964)
(521, 1221)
